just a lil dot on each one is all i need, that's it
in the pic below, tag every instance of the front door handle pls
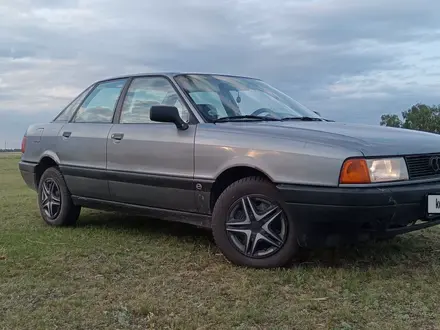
(117, 136)
(67, 134)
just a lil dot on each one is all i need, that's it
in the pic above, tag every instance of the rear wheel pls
(251, 226)
(54, 200)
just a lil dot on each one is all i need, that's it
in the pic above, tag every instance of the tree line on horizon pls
(10, 150)
(419, 117)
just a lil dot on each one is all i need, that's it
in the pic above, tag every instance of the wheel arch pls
(47, 160)
(230, 175)
(50, 154)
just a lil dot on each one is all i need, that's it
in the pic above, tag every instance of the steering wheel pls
(263, 110)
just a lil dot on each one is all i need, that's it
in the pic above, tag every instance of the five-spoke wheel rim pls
(256, 226)
(51, 199)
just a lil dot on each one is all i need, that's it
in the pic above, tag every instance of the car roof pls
(171, 74)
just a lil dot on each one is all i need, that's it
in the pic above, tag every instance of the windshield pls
(218, 96)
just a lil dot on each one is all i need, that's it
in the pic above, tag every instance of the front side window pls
(67, 113)
(218, 96)
(145, 92)
(100, 105)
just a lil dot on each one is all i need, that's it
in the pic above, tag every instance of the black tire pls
(67, 213)
(232, 195)
(386, 238)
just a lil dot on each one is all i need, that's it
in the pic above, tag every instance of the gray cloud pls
(350, 60)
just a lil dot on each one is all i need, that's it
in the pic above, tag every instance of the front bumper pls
(28, 173)
(332, 216)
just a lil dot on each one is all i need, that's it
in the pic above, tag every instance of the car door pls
(82, 142)
(151, 163)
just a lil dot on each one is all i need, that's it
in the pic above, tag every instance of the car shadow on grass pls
(139, 224)
(412, 249)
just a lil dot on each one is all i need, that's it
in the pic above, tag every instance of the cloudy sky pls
(351, 60)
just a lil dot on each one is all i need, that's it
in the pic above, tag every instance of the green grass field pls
(122, 272)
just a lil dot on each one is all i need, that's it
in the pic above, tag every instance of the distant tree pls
(390, 120)
(419, 117)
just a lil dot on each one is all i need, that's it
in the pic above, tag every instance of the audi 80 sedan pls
(235, 155)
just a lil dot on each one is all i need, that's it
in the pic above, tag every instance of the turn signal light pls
(355, 171)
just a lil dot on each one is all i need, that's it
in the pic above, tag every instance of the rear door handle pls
(117, 136)
(67, 134)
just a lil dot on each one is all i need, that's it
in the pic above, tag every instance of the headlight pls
(356, 171)
(389, 169)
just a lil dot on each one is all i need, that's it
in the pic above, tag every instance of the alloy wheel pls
(256, 227)
(51, 199)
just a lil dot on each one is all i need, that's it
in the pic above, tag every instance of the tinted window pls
(146, 92)
(70, 109)
(100, 105)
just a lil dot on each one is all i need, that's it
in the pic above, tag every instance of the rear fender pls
(50, 154)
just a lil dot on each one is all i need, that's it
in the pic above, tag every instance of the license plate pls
(433, 204)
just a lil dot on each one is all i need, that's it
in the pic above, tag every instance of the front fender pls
(283, 160)
(243, 161)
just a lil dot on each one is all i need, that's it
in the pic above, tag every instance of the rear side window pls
(67, 113)
(100, 105)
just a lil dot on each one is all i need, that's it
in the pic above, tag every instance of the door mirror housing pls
(167, 114)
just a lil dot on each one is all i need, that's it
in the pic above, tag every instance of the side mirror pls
(167, 114)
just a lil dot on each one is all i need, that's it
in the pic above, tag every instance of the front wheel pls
(251, 227)
(54, 200)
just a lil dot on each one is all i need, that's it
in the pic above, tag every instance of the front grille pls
(420, 167)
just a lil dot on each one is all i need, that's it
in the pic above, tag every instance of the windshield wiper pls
(233, 118)
(305, 118)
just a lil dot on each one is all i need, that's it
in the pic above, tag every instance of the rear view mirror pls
(167, 114)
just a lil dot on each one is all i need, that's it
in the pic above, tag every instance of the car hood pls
(368, 139)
